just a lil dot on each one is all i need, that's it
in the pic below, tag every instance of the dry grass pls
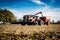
(19, 32)
(17, 28)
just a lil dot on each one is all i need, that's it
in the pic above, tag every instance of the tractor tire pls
(48, 23)
(36, 23)
(41, 22)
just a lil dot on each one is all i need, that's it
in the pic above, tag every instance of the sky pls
(22, 7)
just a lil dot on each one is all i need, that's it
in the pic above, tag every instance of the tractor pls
(35, 20)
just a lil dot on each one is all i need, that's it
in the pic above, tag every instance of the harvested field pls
(19, 32)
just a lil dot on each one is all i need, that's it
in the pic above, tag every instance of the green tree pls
(6, 15)
(1, 15)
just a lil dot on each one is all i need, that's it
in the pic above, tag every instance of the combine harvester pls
(35, 20)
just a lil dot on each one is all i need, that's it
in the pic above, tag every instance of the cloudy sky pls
(23, 7)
